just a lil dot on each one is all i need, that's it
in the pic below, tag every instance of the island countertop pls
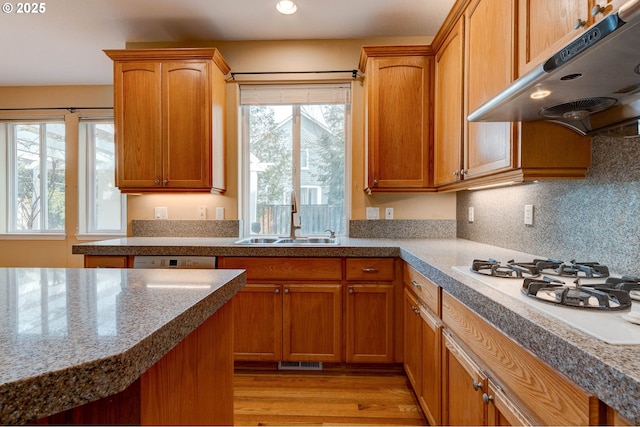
(610, 372)
(72, 336)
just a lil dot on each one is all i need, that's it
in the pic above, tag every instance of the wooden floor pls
(287, 398)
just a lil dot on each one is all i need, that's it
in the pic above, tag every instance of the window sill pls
(33, 236)
(100, 236)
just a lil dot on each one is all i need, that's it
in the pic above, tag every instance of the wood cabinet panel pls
(430, 398)
(449, 121)
(312, 322)
(399, 103)
(370, 269)
(547, 393)
(412, 341)
(285, 269)
(258, 323)
(463, 383)
(369, 317)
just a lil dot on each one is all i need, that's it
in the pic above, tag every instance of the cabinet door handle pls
(165, 181)
(579, 23)
(277, 291)
(486, 398)
(351, 291)
(370, 270)
(286, 291)
(416, 284)
(455, 174)
(157, 181)
(595, 10)
(375, 182)
(476, 385)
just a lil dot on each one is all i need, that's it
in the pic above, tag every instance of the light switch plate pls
(388, 213)
(219, 213)
(471, 214)
(160, 213)
(528, 214)
(373, 213)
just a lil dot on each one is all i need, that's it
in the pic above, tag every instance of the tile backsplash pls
(596, 219)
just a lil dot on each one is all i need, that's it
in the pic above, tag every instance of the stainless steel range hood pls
(593, 83)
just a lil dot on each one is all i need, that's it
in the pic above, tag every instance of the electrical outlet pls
(160, 213)
(219, 213)
(528, 214)
(388, 213)
(202, 212)
(373, 213)
(471, 214)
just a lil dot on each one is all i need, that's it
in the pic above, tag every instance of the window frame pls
(86, 184)
(8, 182)
(275, 93)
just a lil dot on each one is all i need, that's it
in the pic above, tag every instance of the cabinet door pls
(369, 323)
(546, 26)
(430, 398)
(257, 320)
(186, 125)
(398, 122)
(413, 341)
(312, 322)
(502, 411)
(489, 33)
(449, 123)
(138, 117)
(462, 386)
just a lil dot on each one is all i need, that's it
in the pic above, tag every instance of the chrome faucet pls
(294, 209)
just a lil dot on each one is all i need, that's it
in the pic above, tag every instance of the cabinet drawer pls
(286, 269)
(106, 261)
(425, 289)
(370, 269)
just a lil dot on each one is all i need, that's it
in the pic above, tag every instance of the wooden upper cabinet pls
(398, 83)
(449, 122)
(489, 50)
(169, 117)
(545, 26)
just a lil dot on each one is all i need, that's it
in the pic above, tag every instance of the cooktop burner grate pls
(511, 270)
(592, 296)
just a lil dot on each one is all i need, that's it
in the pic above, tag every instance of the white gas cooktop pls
(608, 326)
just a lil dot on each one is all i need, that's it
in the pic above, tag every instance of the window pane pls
(301, 148)
(39, 177)
(108, 207)
(55, 185)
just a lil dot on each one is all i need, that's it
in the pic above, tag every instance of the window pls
(102, 206)
(295, 139)
(34, 185)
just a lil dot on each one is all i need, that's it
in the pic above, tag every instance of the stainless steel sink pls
(288, 241)
(257, 240)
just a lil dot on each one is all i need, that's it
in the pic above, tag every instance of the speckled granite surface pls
(184, 228)
(71, 336)
(611, 372)
(402, 229)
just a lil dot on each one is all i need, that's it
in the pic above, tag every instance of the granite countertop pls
(71, 336)
(611, 372)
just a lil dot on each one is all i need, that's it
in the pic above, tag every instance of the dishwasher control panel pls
(163, 261)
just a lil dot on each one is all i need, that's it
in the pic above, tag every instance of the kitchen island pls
(610, 372)
(112, 346)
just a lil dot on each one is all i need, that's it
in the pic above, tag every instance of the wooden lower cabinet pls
(369, 315)
(537, 394)
(258, 320)
(312, 322)
(412, 341)
(431, 376)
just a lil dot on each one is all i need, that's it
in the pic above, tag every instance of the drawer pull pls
(416, 284)
(370, 270)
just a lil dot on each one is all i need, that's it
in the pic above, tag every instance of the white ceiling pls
(64, 44)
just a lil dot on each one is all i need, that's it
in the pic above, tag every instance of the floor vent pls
(300, 366)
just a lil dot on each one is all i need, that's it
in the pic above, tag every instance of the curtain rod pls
(69, 109)
(354, 73)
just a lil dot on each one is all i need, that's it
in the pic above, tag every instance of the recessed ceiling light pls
(286, 7)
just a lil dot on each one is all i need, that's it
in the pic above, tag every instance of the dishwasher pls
(168, 261)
